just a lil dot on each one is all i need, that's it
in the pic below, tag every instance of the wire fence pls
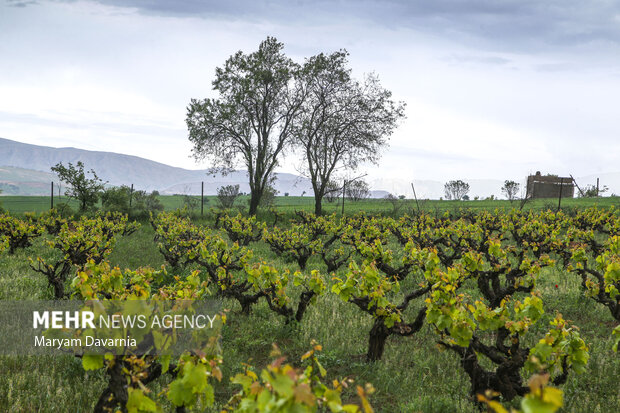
(290, 204)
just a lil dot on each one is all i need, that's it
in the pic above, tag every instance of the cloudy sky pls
(494, 88)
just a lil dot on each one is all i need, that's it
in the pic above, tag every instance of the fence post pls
(130, 195)
(415, 197)
(597, 188)
(344, 189)
(577, 185)
(52, 196)
(560, 198)
(202, 197)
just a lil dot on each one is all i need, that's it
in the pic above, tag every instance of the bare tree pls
(456, 189)
(226, 195)
(591, 191)
(357, 190)
(333, 191)
(343, 122)
(396, 202)
(510, 189)
(252, 118)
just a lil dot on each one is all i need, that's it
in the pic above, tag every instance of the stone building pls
(539, 186)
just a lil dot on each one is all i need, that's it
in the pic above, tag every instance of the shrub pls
(226, 195)
(116, 199)
(357, 190)
(144, 204)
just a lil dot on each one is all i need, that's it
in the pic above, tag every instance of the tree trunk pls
(254, 201)
(376, 340)
(116, 393)
(506, 380)
(302, 260)
(246, 305)
(59, 288)
(304, 300)
(318, 210)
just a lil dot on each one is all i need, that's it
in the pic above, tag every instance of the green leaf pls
(92, 361)
(139, 402)
(283, 385)
(534, 405)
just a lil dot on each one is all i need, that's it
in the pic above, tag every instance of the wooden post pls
(415, 197)
(130, 195)
(560, 198)
(579, 189)
(597, 188)
(344, 189)
(52, 196)
(202, 197)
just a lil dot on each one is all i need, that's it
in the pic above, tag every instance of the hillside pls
(20, 181)
(25, 170)
(118, 169)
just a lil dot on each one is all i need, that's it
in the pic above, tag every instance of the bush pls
(269, 196)
(190, 202)
(116, 199)
(397, 203)
(144, 204)
(357, 190)
(226, 195)
(590, 191)
(333, 191)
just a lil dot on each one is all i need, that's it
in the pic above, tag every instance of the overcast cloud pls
(494, 89)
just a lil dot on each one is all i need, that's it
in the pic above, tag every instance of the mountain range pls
(24, 167)
(25, 170)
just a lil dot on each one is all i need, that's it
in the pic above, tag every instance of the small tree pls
(333, 191)
(396, 202)
(357, 190)
(510, 189)
(227, 195)
(143, 204)
(116, 199)
(85, 190)
(269, 196)
(590, 191)
(190, 202)
(456, 189)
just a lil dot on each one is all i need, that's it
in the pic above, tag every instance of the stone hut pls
(539, 186)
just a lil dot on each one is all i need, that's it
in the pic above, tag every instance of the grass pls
(289, 204)
(413, 376)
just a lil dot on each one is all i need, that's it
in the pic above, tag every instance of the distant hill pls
(20, 181)
(26, 167)
(25, 170)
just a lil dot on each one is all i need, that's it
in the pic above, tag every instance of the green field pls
(413, 376)
(20, 204)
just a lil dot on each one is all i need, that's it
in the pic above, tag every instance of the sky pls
(494, 88)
